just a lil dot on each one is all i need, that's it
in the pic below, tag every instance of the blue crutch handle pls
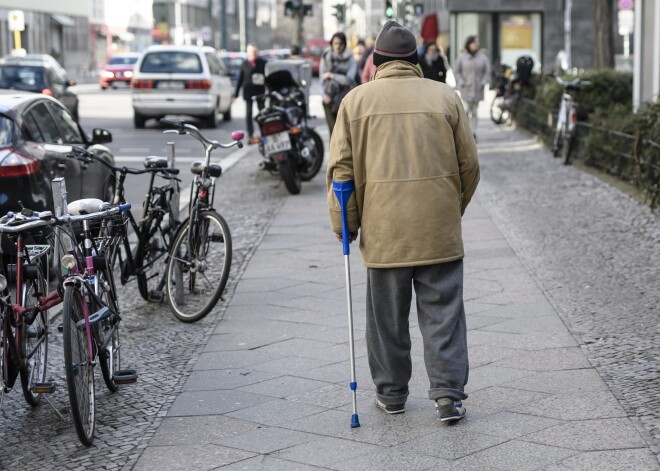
(343, 191)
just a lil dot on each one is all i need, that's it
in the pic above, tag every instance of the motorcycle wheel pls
(290, 175)
(497, 112)
(311, 166)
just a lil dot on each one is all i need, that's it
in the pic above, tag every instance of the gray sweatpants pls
(439, 291)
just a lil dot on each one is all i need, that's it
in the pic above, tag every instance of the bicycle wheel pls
(150, 258)
(496, 110)
(567, 147)
(34, 338)
(198, 266)
(79, 371)
(109, 357)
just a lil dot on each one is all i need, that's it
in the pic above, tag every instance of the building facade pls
(60, 29)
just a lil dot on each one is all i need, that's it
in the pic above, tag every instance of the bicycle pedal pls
(35, 332)
(125, 376)
(95, 318)
(43, 388)
(156, 296)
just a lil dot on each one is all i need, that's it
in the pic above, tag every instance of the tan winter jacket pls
(407, 144)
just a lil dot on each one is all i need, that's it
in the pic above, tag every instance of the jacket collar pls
(394, 69)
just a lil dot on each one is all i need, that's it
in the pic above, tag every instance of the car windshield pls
(122, 60)
(6, 126)
(171, 62)
(21, 77)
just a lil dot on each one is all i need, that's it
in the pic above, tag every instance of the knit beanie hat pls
(395, 43)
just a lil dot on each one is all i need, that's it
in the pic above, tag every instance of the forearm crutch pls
(343, 192)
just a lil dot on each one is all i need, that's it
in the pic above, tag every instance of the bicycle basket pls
(104, 231)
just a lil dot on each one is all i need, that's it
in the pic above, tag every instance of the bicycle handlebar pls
(83, 154)
(13, 223)
(186, 128)
(575, 83)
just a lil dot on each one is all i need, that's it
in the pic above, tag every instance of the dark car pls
(36, 133)
(233, 61)
(39, 73)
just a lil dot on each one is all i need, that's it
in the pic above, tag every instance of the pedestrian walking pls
(472, 73)
(433, 64)
(337, 70)
(252, 79)
(406, 143)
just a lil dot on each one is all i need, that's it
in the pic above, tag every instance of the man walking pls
(252, 79)
(407, 144)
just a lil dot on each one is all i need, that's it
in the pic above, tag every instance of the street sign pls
(16, 20)
(626, 21)
(626, 4)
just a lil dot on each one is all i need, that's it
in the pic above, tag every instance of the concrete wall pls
(646, 82)
(66, 7)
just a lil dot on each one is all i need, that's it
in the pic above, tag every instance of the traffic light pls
(389, 11)
(290, 8)
(340, 10)
(308, 10)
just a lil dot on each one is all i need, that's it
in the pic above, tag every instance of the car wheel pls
(226, 116)
(139, 120)
(212, 119)
(103, 87)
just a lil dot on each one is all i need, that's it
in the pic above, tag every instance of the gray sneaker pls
(391, 409)
(449, 410)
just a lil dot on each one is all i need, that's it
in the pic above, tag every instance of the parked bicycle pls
(25, 321)
(148, 259)
(90, 311)
(201, 252)
(564, 139)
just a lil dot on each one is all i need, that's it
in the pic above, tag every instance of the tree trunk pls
(603, 34)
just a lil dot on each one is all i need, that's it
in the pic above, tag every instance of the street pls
(563, 347)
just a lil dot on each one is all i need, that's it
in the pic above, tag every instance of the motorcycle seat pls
(215, 170)
(155, 162)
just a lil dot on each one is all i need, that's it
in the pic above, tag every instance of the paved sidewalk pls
(270, 390)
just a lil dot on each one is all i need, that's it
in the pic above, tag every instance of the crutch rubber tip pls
(355, 422)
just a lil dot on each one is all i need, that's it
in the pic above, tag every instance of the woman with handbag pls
(337, 71)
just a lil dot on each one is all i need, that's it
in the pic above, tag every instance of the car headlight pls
(128, 74)
(107, 74)
(3, 283)
(68, 261)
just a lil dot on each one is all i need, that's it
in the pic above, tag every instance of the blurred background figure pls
(252, 78)
(433, 63)
(472, 72)
(337, 71)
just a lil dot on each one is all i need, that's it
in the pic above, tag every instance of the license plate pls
(171, 85)
(276, 143)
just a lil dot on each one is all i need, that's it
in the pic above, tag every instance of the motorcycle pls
(289, 145)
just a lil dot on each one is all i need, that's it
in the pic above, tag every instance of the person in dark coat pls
(433, 63)
(251, 78)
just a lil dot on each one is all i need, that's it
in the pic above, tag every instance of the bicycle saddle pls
(155, 162)
(85, 206)
(215, 170)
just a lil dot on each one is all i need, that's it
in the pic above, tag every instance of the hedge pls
(610, 137)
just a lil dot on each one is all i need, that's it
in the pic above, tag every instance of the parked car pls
(36, 133)
(181, 80)
(39, 73)
(119, 69)
(313, 50)
(233, 62)
(270, 54)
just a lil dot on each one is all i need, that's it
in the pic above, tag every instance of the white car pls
(181, 80)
